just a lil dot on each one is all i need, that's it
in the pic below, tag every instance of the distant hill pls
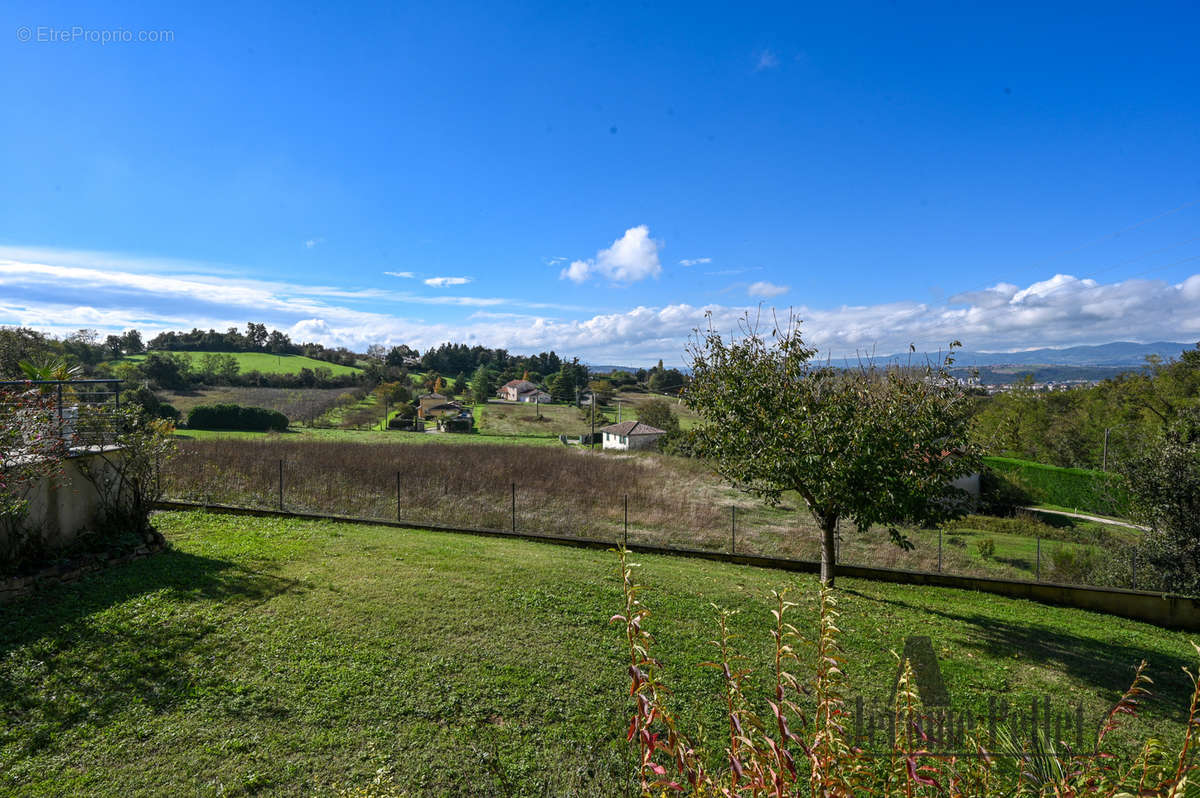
(610, 369)
(1116, 354)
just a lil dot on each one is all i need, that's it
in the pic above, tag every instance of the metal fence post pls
(1039, 560)
(939, 550)
(1134, 568)
(733, 530)
(626, 520)
(397, 497)
(514, 507)
(281, 484)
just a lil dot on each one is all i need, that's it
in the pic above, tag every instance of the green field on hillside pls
(267, 363)
(277, 657)
(372, 436)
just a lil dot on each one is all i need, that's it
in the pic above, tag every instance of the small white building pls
(631, 435)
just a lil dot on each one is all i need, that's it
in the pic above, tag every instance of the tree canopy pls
(874, 446)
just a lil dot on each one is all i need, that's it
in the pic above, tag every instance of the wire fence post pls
(514, 507)
(1039, 559)
(1134, 568)
(626, 520)
(281, 484)
(733, 530)
(397, 497)
(939, 550)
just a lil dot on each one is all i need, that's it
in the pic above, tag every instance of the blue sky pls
(594, 177)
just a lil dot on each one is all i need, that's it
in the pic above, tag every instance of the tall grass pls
(559, 490)
(799, 741)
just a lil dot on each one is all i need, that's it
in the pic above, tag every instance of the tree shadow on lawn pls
(66, 660)
(1103, 665)
(1020, 563)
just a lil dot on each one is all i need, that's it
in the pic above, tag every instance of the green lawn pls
(275, 657)
(530, 421)
(267, 363)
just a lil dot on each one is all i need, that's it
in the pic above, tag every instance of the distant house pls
(522, 391)
(631, 435)
(434, 405)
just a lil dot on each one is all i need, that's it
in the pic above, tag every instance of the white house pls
(631, 435)
(522, 391)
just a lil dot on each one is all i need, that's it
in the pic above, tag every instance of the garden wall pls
(64, 506)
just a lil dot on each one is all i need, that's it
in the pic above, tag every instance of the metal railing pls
(81, 413)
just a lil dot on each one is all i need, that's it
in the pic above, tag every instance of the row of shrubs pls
(236, 417)
(1014, 480)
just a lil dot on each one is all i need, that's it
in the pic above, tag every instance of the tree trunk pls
(828, 553)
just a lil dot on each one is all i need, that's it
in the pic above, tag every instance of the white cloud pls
(439, 282)
(694, 261)
(765, 290)
(312, 242)
(766, 60)
(728, 272)
(632, 257)
(111, 295)
(405, 275)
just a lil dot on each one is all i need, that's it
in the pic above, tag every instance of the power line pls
(1115, 233)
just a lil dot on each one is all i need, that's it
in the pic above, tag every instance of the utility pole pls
(1104, 461)
(593, 420)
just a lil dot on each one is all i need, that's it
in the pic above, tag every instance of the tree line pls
(1096, 426)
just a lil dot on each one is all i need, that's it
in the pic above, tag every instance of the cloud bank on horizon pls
(59, 292)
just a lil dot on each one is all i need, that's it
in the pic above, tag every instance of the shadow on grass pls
(1020, 563)
(1102, 664)
(132, 636)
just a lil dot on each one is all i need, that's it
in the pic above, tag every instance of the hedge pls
(230, 416)
(1078, 488)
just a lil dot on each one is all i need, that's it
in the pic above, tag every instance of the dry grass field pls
(559, 490)
(299, 405)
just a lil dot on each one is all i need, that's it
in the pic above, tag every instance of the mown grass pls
(267, 363)
(529, 420)
(275, 657)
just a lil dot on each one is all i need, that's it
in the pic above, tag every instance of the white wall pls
(614, 442)
(64, 506)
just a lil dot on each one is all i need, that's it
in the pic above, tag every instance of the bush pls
(987, 548)
(1075, 566)
(1165, 483)
(999, 495)
(1089, 491)
(236, 417)
(150, 404)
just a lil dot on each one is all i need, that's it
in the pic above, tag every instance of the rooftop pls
(626, 428)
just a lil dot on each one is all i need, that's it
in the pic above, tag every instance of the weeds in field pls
(792, 753)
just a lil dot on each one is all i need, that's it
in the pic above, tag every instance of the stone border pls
(73, 569)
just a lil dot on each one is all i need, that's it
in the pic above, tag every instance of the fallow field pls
(455, 481)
